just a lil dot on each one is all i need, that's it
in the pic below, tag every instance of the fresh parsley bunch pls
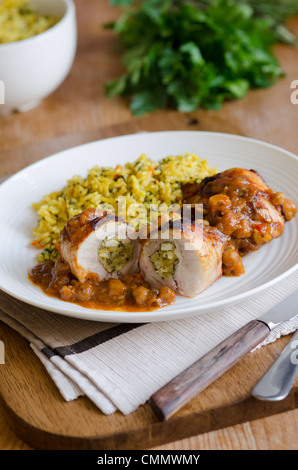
(190, 54)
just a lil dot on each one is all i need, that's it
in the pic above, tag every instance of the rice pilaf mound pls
(142, 184)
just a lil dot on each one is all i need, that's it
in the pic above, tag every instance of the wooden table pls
(79, 106)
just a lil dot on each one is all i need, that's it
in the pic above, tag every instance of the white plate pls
(264, 268)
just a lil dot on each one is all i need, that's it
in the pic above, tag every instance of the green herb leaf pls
(116, 87)
(192, 53)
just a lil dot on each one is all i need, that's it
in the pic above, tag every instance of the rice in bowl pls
(19, 20)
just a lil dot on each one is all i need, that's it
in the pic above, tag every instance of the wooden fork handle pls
(183, 388)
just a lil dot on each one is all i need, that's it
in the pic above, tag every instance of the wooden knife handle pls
(183, 388)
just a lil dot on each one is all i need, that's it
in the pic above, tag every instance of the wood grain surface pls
(79, 112)
(40, 417)
(196, 378)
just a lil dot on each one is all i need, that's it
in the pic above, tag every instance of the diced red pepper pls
(261, 228)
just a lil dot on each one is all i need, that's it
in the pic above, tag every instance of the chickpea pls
(62, 280)
(237, 270)
(144, 296)
(232, 262)
(84, 292)
(263, 236)
(290, 209)
(116, 288)
(218, 203)
(61, 267)
(67, 293)
(230, 256)
(278, 198)
(166, 295)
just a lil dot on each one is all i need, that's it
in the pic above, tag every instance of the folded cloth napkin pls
(119, 366)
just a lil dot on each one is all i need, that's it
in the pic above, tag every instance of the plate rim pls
(154, 315)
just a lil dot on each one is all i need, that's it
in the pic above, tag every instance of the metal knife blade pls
(285, 310)
(276, 384)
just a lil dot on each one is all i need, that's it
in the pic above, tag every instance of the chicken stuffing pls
(240, 205)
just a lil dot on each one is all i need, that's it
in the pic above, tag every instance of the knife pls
(276, 384)
(185, 386)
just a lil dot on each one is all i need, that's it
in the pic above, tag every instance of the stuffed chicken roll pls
(99, 244)
(184, 256)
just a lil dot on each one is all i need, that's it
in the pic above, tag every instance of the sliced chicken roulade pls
(100, 244)
(187, 260)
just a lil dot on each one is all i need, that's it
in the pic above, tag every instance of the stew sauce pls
(131, 293)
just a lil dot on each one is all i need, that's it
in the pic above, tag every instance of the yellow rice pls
(18, 21)
(142, 183)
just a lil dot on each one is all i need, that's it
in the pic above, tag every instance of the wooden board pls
(35, 409)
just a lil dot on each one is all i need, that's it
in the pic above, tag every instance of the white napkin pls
(119, 366)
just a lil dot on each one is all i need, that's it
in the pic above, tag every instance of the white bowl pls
(31, 69)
